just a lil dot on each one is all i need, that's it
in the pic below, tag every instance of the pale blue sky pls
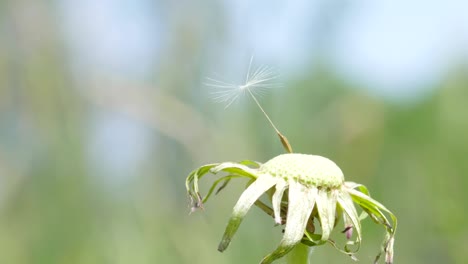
(392, 48)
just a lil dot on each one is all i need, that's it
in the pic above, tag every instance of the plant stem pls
(298, 255)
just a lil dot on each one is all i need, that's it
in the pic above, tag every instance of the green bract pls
(311, 182)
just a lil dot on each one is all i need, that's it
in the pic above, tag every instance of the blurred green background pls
(103, 113)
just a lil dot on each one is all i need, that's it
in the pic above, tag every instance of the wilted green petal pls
(312, 240)
(196, 174)
(373, 209)
(301, 202)
(246, 200)
(373, 205)
(265, 208)
(348, 224)
(250, 163)
(389, 250)
(353, 185)
(225, 183)
(326, 205)
(235, 168)
(277, 197)
(191, 184)
(226, 179)
(346, 203)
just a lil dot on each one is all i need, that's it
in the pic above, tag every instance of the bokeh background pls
(103, 113)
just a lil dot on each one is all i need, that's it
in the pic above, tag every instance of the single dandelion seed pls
(256, 83)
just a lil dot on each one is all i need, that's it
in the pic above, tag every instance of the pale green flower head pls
(309, 170)
(296, 184)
